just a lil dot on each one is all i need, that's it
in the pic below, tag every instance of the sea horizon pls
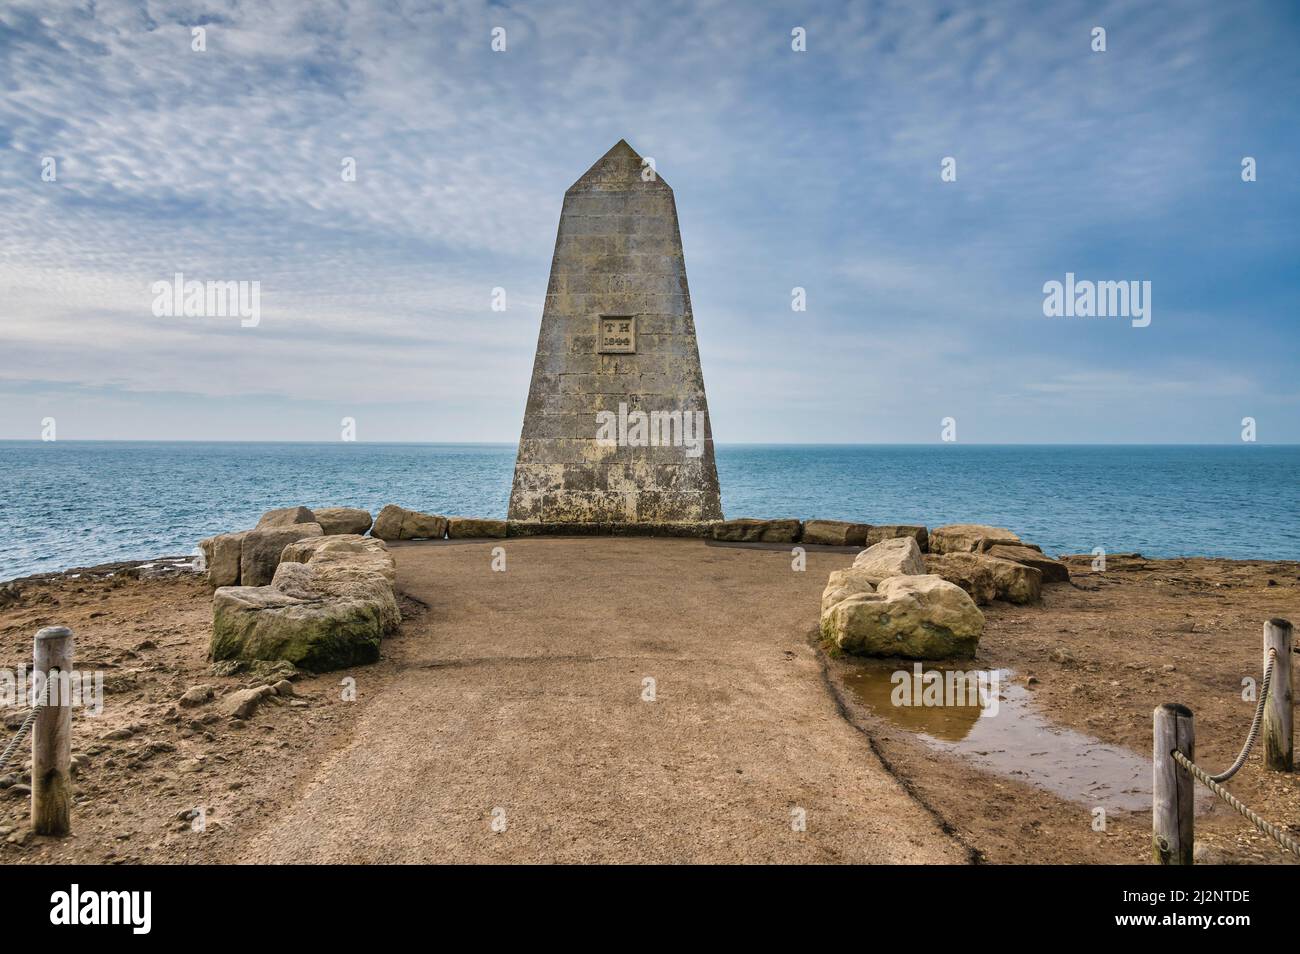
(142, 440)
(80, 503)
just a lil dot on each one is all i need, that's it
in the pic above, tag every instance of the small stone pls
(116, 734)
(283, 688)
(1059, 655)
(1169, 667)
(195, 696)
(189, 766)
(242, 703)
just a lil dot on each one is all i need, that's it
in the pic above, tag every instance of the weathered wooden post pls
(1173, 788)
(1279, 753)
(52, 735)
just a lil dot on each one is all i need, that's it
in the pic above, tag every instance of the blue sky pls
(817, 169)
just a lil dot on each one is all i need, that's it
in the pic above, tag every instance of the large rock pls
(260, 550)
(222, 555)
(845, 583)
(286, 517)
(1054, 571)
(749, 530)
(316, 618)
(915, 617)
(969, 538)
(835, 533)
(988, 578)
(891, 530)
(335, 520)
(470, 528)
(898, 556)
(398, 523)
(343, 550)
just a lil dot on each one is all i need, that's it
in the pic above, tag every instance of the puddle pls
(991, 722)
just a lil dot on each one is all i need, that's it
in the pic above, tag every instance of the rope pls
(1268, 828)
(1235, 767)
(12, 749)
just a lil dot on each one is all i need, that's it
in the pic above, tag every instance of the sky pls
(817, 169)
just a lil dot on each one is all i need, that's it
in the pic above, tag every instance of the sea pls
(67, 504)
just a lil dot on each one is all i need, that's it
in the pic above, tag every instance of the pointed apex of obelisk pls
(618, 169)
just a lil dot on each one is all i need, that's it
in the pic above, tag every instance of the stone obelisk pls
(616, 431)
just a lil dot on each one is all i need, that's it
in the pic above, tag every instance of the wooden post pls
(52, 736)
(1173, 788)
(1278, 747)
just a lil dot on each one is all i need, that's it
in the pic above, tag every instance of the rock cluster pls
(329, 604)
(308, 587)
(895, 601)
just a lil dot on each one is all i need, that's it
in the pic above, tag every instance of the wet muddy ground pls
(1079, 677)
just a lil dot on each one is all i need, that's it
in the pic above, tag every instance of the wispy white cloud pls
(817, 169)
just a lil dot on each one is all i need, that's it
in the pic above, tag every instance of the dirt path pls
(518, 697)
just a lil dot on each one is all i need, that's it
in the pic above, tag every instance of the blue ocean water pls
(75, 503)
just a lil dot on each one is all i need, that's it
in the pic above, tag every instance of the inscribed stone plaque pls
(617, 334)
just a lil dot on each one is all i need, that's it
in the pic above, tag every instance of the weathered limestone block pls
(892, 530)
(835, 533)
(897, 556)
(285, 517)
(987, 578)
(468, 528)
(221, 554)
(318, 616)
(1054, 571)
(969, 538)
(343, 549)
(616, 426)
(335, 520)
(845, 583)
(260, 550)
(915, 617)
(749, 530)
(398, 523)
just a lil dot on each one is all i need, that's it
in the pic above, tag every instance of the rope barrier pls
(12, 748)
(1235, 767)
(1212, 782)
(1266, 827)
